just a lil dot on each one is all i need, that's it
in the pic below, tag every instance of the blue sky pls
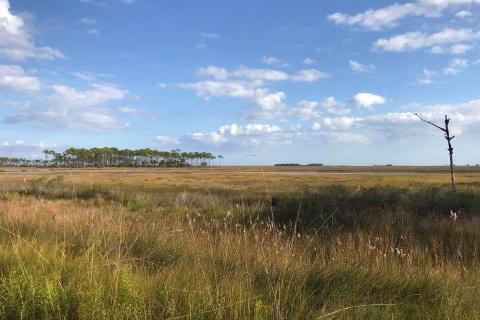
(259, 82)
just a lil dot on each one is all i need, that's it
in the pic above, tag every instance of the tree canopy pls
(113, 157)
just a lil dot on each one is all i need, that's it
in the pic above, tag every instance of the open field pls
(239, 243)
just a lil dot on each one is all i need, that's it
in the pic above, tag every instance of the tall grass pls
(92, 252)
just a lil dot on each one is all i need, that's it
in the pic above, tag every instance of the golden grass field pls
(239, 243)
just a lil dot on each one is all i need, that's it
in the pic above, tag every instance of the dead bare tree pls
(449, 139)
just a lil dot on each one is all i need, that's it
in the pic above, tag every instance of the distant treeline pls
(113, 157)
(298, 165)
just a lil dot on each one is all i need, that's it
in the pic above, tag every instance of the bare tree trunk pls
(446, 130)
(450, 151)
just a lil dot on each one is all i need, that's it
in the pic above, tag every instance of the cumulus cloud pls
(391, 15)
(360, 67)
(368, 100)
(412, 41)
(16, 79)
(249, 83)
(17, 40)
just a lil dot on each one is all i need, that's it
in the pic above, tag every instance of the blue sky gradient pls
(260, 82)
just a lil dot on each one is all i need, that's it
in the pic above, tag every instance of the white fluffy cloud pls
(391, 15)
(368, 100)
(16, 79)
(251, 84)
(17, 40)
(412, 41)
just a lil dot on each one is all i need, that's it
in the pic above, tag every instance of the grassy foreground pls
(233, 245)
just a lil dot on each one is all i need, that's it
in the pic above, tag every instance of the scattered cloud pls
(309, 75)
(361, 68)
(17, 41)
(412, 41)
(273, 61)
(248, 83)
(167, 140)
(315, 109)
(455, 66)
(368, 100)
(427, 76)
(389, 16)
(457, 49)
(73, 108)
(14, 78)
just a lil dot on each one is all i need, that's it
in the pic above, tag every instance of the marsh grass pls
(93, 251)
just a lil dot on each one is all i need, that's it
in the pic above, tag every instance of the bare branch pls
(431, 123)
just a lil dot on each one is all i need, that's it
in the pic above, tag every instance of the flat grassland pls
(239, 243)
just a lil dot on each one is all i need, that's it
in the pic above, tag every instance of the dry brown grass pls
(188, 244)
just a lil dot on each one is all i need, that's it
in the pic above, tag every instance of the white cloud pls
(234, 135)
(249, 129)
(273, 61)
(168, 140)
(17, 40)
(16, 79)
(339, 123)
(309, 75)
(309, 61)
(96, 95)
(348, 137)
(427, 76)
(456, 49)
(73, 108)
(391, 15)
(271, 103)
(128, 110)
(361, 68)
(260, 74)
(314, 109)
(367, 100)
(412, 41)
(455, 67)
(217, 73)
(463, 14)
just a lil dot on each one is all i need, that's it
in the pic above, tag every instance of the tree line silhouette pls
(113, 157)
